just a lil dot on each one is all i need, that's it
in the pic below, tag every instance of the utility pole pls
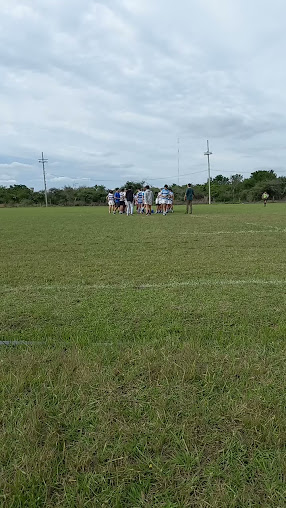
(178, 161)
(43, 162)
(208, 154)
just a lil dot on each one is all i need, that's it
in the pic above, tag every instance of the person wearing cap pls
(189, 198)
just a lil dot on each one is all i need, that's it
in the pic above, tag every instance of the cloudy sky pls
(106, 87)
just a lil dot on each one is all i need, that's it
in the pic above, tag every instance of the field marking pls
(201, 233)
(18, 343)
(168, 285)
(13, 343)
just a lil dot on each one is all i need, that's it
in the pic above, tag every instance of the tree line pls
(234, 189)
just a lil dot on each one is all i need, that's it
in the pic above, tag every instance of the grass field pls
(156, 374)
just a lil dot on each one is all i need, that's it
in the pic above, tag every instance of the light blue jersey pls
(165, 193)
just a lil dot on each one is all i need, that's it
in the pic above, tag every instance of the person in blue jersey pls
(165, 198)
(117, 199)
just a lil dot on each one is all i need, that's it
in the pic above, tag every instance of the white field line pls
(213, 233)
(265, 225)
(168, 285)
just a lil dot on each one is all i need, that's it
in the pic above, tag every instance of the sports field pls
(156, 375)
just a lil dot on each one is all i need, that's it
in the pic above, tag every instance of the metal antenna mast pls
(178, 161)
(43, 162)
(208, 154)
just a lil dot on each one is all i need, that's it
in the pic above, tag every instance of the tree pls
(220, 180)
(259, 176)
(236, 179)
(236, 184)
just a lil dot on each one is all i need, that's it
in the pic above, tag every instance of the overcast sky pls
(105, 88)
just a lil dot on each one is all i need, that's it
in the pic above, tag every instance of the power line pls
(169, 177)
(105, 180)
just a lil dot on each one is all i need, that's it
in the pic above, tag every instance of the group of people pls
(124, 200)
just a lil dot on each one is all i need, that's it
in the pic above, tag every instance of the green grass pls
(156, 374)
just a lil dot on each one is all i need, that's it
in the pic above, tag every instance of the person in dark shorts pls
(189, 198)
(265, 197)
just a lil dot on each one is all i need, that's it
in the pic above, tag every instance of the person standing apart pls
(265, 196)
(110, 200)
(148, 200)
(129, 200)
(189, 198)
(165, 199)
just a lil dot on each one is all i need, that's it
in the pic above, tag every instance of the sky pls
(106, 88)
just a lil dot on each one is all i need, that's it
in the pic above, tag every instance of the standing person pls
(265, 196)
(160, 202)
(148, 199)
(116, 199)
(129, 200)
(136, 201)
(143, 194)
(157, 203)
(165, 198)
(189, 198)
(122, 201)
(171, 201)
(110, 200)
(140, 200)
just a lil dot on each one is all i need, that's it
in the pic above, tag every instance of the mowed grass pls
(155, 376)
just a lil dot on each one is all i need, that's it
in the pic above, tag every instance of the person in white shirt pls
(110, 200)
